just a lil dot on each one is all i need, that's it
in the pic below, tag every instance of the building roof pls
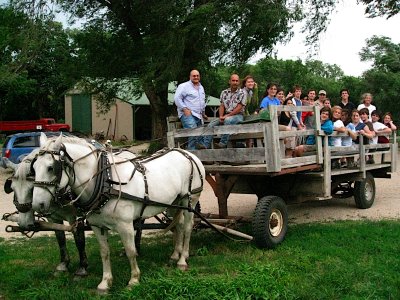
(127, 92)
(129, 97)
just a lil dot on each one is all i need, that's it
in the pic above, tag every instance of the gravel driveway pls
(386, 206)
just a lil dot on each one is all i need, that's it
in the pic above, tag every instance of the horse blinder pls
(32, 170)
(57, 169)
(7, 186)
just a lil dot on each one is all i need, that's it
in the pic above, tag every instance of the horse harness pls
(104, 190)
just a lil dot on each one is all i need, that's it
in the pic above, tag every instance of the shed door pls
(82, 113)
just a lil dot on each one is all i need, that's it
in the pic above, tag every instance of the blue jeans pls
(232, 120)
(192, 122)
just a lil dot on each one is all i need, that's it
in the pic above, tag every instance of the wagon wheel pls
(364, 192)
(270, 220)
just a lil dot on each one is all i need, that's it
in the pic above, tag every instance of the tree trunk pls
(159, 113)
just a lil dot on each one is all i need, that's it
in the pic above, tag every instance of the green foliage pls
(383, 80)
(380, 8)
(154, 147)
(351, 260)
(384, 54)
(36, 67)
(161, 41)
(309, 75)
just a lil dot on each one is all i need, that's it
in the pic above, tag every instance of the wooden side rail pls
(271, 153)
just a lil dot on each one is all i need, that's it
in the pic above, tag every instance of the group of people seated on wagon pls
(240, 99)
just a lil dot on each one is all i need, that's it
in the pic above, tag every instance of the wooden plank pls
(223, 129)
(199, 131)
(345, 154)
(318, 139)
(362, 157)
(377, 146)
(224, 185)
(376, 166)
(212, 183)
(284, 134)
(394, 149)
(256, 169)
(231, 231)
(297, 169)
(298, 161)
(272, 155)
(280, 108)
(327, 168)
(244, 136)
(171, 139)
(337, 172)
(172, 119)
(231, 154)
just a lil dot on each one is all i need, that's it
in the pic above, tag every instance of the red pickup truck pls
(45, 124)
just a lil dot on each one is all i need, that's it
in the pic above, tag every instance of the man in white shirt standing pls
(190, 101)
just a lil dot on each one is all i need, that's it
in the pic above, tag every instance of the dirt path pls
(386, 206)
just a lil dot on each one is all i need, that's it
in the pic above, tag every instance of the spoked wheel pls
(270, 222)
(364, 192)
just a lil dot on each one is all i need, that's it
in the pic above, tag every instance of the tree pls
(36, 66)
(161, 41)
(383, 79)
(383, 53)
(380, 8)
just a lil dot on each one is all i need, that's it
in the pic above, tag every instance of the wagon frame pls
(264, 170)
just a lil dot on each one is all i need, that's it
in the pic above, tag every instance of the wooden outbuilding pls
(129, 118)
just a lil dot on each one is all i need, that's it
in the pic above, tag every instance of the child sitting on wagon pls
(326, 126)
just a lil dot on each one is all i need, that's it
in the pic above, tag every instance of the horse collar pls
(101, 192)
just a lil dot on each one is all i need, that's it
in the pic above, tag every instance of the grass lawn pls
(340, 260)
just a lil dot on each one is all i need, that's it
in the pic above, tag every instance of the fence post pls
(318, 138)
(327, 167)
(271, 138)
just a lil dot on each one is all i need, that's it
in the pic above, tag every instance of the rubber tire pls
(269, 207)
(364, 192)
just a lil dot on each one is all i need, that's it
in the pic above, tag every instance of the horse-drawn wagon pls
(114, 191)
(278, 180)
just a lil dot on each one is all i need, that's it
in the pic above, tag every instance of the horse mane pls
(24, 167)
(69, 140)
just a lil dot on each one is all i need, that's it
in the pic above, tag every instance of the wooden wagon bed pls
(264, 169)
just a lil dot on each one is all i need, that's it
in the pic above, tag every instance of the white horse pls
(172, 177)
(22, 185)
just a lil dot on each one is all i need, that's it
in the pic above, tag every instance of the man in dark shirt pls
(345, 103)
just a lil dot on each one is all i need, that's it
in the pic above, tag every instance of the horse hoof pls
(81, 272)
(183, 267)
(62, 268)
(132, 283)
(102, 292)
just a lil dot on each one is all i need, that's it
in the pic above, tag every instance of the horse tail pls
(173, 223)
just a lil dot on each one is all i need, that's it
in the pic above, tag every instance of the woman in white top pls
(366, 103)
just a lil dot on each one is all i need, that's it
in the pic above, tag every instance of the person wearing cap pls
(321, 98)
